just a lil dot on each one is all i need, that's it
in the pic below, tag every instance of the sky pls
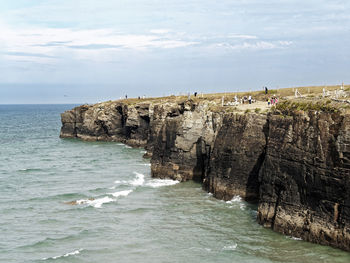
(85, 51)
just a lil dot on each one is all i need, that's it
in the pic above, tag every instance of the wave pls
(294, 238)
(53, 197)
(139, 180)
(155, 183)
(236, 200)
(25, 170)
(49, 241)
(121, 193)
(231, 247)
(97, 203)
(75, 252)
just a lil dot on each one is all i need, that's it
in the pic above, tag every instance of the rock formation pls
(305, 178)
(296, 165)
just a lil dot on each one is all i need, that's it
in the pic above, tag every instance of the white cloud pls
(254, 46)
(160, 31)
(52, 42)
(242, 36)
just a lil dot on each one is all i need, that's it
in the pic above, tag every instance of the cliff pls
(295, 164)
(305, 178)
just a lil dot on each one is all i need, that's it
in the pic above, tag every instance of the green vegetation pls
(311, 100)
(287, 107)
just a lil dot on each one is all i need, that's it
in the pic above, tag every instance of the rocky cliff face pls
(108, 122)
(236, 158)
(183, 143)
(305, 178)
(296, 166)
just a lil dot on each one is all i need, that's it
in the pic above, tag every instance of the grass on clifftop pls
(257, 95)
(312, 99)
(297, 106)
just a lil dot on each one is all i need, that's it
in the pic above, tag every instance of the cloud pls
(254, 46)
(242, 36)
(51, 42)
(160, 31)
(26, 54)
(94, 46)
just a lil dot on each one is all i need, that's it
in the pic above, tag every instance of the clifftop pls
(336, 97)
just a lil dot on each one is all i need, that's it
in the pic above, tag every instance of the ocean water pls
(65, 200)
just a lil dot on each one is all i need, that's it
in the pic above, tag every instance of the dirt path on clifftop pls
(262, 105)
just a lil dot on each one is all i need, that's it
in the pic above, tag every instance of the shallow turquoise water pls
(118, 212)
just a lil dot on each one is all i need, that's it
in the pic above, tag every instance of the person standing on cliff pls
(250, 99)
(266, 90)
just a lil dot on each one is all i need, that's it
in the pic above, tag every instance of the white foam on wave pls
(231, 247)
(236, 200)
(97, 203)
(121, 193)
(75, 252)
(155, 183)
(121, 182)
(295, 238)
(128, 147)
(139, 180)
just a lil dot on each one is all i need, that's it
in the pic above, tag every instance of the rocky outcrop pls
(305, 178)
(108, 122)
(236, 158)
(184, 142)
(295, 165)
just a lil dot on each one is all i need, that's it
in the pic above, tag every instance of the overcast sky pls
(57, 51)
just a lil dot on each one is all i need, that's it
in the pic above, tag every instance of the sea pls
(67, 200)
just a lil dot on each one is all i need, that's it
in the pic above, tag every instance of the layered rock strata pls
(108, 122)
(305, 178)
(237, 156)
(296, 165)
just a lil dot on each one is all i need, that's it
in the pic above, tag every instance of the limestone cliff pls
(305, 177)
(295, 165)
(108, 122)
(237, 156)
